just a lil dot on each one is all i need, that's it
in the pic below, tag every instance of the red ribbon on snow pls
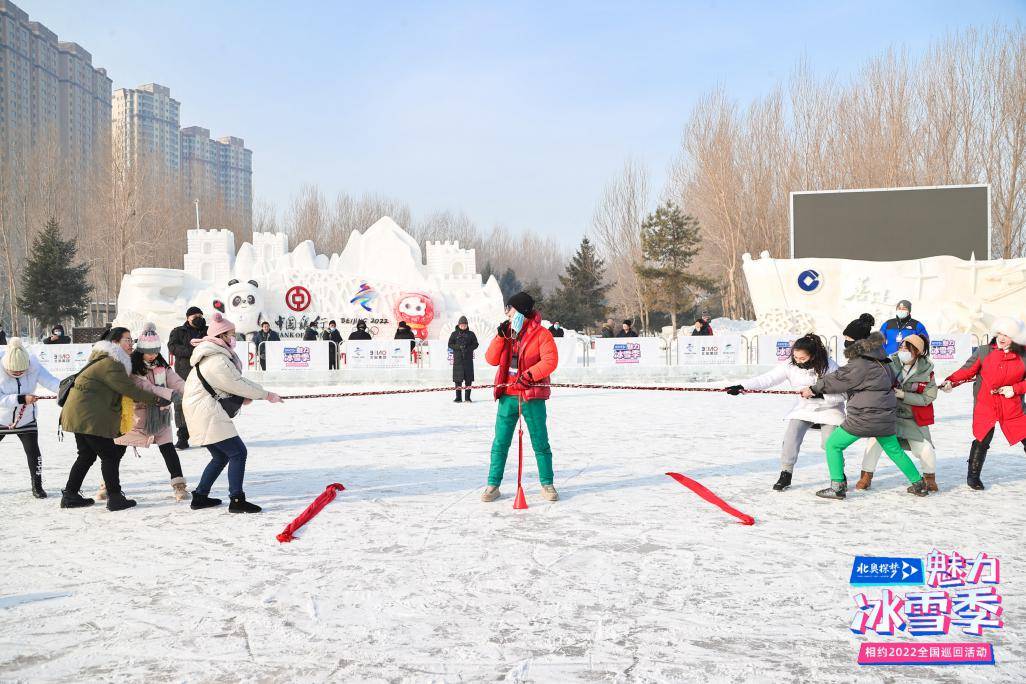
(703, 491)
(325, 498)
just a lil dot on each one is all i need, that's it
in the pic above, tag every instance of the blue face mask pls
(517, 322)
(901, 314)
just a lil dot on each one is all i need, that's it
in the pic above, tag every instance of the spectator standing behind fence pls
(261, 338)
(702, 326)
(463, 342)
(361, 331)
(57, 336)
(404, 332)
(179, 343)
(901, 326)
(556, 329)
(310, 334)
(627, 329)
(607, 329)
(333, 335)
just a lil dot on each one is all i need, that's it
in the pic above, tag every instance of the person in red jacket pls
(526, 356)
(999, 372)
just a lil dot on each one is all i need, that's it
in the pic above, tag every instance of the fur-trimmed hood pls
(114, 351)
(871, 348)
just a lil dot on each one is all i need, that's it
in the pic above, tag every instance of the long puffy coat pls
(16, 416)
(93, 406)
(208, 423)
(868, 381)
(163, 382)
(920, 388)
(463, 343)
(826, 410)
(992, 368)
(537, 360)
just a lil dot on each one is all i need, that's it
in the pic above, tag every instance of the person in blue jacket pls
(901, 326)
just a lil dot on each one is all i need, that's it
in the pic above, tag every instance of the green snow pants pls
(505, 426)
(841, 439)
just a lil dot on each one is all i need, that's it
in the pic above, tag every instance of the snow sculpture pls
(263, 280)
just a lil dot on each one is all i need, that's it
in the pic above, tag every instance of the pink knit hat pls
(149, 340)
(219, 325)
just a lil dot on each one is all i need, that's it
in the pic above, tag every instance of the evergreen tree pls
(487, 272)
(509, 284)
(534, 289)
(53, 288)
(669, 242)
(580, 300)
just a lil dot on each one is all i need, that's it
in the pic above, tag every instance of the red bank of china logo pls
(297, 298)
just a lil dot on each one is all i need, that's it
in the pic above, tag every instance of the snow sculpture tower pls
(210, 255)
(454, 267)
(270, 246)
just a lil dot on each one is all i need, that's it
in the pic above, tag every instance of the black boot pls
(836, 490)
(182, 444)
(116, 501)
(977, 455)
(74, 500)
(240, 505)
(918, 488)
(466, 396)
(203, 501)
(37, 487)
(35, 466)
(459, 397)
(783, 482)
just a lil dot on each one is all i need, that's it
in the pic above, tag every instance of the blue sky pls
(517, 113)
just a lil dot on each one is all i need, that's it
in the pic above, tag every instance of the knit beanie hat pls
(905, 304)
(149, 340)
(463, 321)
(219, 325)
(1010, 327)
(860, 328)
(192, 310)
(16, 359)
(522, 302)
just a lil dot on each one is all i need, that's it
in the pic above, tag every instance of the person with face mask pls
(916, 391)
(57, 336)
(335, 337)
(20, 375)
(901, 326)
(859, 329)
(998, 370)
(810, 361)
(361, 331)
(556, 329)
(179, 344)
(526, 356)
(261, 338)
(462, 343)
(217, 377)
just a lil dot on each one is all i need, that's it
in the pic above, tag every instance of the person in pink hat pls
(214, 393)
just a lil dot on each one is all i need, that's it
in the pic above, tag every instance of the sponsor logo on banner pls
(943, 349)
(809, 281)
(297, 357)
(709, 350)
(626, 352)
(956, 595)
(298, 298)
(784, 350)
(62, 360)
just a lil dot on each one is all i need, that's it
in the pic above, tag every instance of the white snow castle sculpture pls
(949, 295)
(379, 277)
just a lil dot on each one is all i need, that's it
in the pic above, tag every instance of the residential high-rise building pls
(218, 171)
(51, 95)
(146, 126)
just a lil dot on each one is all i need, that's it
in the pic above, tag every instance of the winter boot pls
(182, 444)
(101, 493)
(836, 490)
(459, 397)
(918, 488)
(865, 481)
(931, 482)
(178, 487)
(490, 494)
(783, 482)
(549, 493)
(74, 500)
(466, 396)
(203, 501)
(116, 501)
(37, 487)
(977, 455)
(240, 505)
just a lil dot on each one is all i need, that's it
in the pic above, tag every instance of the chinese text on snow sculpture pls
(381, 277)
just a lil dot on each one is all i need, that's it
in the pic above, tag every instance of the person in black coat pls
(57, 336)
(331, 334)
(404, 332)
(179, 343)
(265, 334)
(702, 327)
(463, 342)
(361, 331)
(556, 329)
(311, 334)
(607, 329)
(626, 330)
(3, 335)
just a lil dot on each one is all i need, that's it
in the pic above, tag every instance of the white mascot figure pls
(244, 305)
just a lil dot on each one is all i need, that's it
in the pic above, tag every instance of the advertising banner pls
(62, 360)
(378, 354)
(717, 349)
(630, 351)
(296, 355)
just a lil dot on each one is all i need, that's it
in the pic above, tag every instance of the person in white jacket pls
(217, 375)
(809, 362)
(20, 375)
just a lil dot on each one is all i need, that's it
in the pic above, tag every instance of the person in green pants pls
(526, 356)
(871, 412)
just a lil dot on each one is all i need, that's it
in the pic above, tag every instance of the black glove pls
(735, 390)
(504, 329)
(162, 402)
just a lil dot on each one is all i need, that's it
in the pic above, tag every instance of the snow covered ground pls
(408, 576)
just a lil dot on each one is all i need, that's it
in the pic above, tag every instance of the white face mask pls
(905, 357)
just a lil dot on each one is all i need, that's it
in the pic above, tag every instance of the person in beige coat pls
(217, 380)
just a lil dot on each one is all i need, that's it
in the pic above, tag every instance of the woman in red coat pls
(999, 372)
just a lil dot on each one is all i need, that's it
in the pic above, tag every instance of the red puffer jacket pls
(998, 369)
(537, 359)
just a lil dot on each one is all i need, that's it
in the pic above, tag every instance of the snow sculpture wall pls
(293, 288)
(948, 295)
